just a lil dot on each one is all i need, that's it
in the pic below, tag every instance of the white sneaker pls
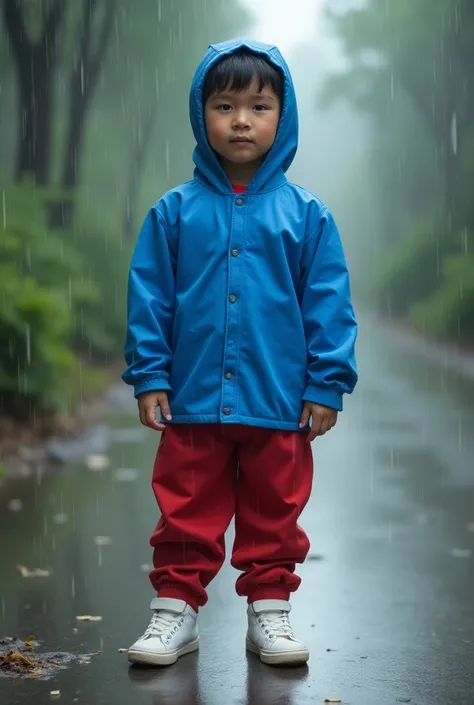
(270, 635)
(171, 633)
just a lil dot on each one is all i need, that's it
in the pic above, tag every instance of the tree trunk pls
(35, 97)
(83, 81)
(35, 63)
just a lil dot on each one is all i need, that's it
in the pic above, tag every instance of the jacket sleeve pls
(150, 307)
(328, 317)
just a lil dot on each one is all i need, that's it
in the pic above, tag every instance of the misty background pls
(94, 128)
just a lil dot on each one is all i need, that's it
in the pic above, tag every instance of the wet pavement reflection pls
(387, 600)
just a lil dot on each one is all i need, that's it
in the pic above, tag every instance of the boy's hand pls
(148, 403)
(322, 419)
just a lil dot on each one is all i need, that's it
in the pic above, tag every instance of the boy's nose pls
(241, 119)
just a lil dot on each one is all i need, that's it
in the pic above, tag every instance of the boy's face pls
(242, 126)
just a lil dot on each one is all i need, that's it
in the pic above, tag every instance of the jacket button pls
(235, 253)
(240, 201)
(226, 411)
(228, 375)
(232, 298)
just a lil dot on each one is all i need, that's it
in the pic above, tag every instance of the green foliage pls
(408, 272)
(409, 70)
(35, 320)
(63, 300)
(448, 313)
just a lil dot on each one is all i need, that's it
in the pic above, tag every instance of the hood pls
(283, 151)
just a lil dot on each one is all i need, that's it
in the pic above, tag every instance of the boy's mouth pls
(240, 139)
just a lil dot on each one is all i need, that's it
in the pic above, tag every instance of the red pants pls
(206, 473)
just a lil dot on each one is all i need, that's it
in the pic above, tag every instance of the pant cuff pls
(269, 593)
(178, 593)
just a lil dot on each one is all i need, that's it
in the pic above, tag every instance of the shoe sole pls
(153, 659)
(281, 658)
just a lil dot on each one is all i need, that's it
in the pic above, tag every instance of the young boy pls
(240, 330)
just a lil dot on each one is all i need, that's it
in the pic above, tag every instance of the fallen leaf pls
(60, 518)
(38, 573)
(126, 474)
(97, 461)
(55, 693)
(75, 631)
(88, 618)
(102, 540)
(30, 643)
(333, 700)
(461, 552)
(127, 435)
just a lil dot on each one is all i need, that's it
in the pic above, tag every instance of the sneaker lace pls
(276, 624)
(162, 624)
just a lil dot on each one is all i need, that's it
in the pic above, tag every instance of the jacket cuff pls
(156, 384)
(324, 396)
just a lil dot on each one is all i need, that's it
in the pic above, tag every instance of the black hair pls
(236, 71)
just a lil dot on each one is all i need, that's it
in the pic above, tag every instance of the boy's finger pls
(150, 418)
(142, 414)
(325, 426)
(315, 428)
(304, 418)
(165, 409)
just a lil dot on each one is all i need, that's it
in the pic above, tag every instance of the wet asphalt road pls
(387, 600)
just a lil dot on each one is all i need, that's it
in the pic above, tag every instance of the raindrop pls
(454, 133)
(167, 159)
(28, 343)
(465, 241)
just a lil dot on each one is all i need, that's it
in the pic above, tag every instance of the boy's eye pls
(224, 107)
(260, 108)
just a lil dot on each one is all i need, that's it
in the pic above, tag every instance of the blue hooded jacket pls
(239, 305)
